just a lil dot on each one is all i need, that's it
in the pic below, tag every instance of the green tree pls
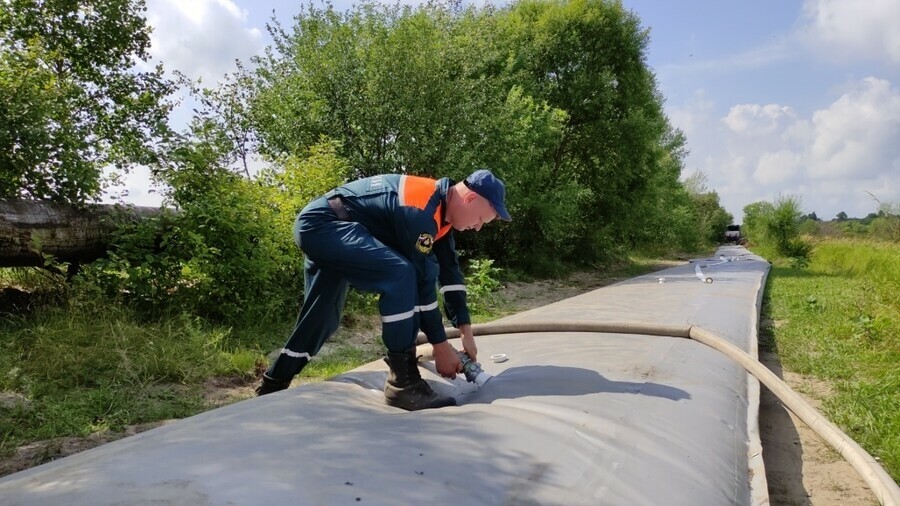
(588, 59)
(712, 218)
(555, 97)
(810, 227)
(382, 81)
(756, 218)
(72, 101)
(225, 112)
(697, 183)
(669, 218)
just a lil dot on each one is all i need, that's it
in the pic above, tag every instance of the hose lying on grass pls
(883, 486)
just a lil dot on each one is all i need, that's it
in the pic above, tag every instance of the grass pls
(340, 359)
(89, 372)
(84, 366)
(838, 320)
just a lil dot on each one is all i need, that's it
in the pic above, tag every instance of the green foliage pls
(886, 227)
(782, 226)
(840, 322)
(228, 252)
(586, 58)
(378, 79)
(555, 97)
(883, 225)
(777, 227)
(481, 283)
(810, 227)
(526, 131)
(712, 219)
(886, 224)
(851, 228)
(223, 113)
(301, 179)
(798, 251)
(756, 216)
(71, 100)
(693, 218)
(221, 256)
(86, 369)
(679, 231)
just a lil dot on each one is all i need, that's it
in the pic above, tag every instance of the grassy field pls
(838, 320)
(78, 372)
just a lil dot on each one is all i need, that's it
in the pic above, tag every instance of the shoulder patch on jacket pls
(424, 243)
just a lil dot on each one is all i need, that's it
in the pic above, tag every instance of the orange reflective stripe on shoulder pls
(415, 192)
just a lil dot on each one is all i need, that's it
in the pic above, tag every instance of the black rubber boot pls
(269, 385)
(405, 387)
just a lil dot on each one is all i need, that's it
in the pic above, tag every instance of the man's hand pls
(468, 342)
(446, 361)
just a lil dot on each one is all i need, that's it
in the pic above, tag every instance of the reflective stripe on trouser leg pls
(398, 292)
(396, 329)
(319, 317)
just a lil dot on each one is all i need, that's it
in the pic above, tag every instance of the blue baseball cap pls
(484, 183)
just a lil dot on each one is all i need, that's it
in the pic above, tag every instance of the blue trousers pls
(340, 254)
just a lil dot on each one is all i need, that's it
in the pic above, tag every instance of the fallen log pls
(32, 229)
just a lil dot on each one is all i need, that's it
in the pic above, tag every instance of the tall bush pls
(778, 226)
(228, 250)
(755, 222)
(887, 224)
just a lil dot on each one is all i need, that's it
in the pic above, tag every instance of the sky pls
(775, 97)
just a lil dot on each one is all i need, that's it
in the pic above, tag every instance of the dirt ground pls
(801, 469)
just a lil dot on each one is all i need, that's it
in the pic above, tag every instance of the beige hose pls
(883, 486)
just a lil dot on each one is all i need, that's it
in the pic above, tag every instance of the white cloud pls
(857, 136)
(777, 167)
(754, 119)
(830, 158)
(201, 38)
(851, 30)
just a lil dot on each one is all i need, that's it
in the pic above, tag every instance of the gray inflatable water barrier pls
(569, 418)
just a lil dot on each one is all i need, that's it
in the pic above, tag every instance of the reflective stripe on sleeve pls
(453, 288)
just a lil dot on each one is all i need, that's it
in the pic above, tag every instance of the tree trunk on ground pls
(30, 229)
